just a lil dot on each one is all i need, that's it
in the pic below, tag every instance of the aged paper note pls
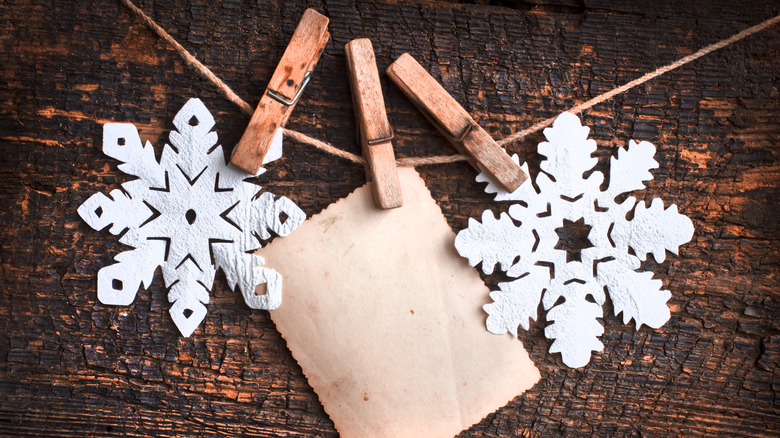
(386, 319)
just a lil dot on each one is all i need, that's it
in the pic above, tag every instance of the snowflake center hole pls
(190, 216)
(573, 238)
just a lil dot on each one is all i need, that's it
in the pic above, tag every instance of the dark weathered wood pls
(70, 366)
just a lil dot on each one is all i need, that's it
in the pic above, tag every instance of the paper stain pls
(329, 223)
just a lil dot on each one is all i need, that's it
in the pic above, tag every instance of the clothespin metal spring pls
(286, 101)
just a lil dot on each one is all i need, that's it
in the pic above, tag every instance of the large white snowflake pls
(191, 213)
(571, 281)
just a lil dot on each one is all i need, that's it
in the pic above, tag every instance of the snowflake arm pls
(261, 287)
(265, 215)
(117, 210)
(630, 169)
(121, 141)
(119, 283)
(654, 230)
(636, 294)
(575, 329)
(494, 241)
(516, 302)
(568, 155)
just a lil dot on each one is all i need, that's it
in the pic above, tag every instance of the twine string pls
(646, 77)
(300, 137)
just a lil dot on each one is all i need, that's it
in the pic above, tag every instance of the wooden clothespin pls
(376, 134)
(454, 122)
(285, 87)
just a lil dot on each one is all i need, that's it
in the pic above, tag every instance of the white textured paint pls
(191, 213)
(520, 241)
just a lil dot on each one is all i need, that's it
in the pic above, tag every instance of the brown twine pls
(641, 80)
(319, 144)
(420, 161)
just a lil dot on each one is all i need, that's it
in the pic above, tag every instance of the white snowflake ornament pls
(191, 213)
(571, 284)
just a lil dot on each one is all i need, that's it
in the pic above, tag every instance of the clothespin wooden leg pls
(454, 122)
(285, 87)
(376, 134)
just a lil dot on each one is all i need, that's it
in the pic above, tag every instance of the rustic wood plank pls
(70, 366)
(376, 134)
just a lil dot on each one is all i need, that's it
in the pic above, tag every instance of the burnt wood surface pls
(71, 366)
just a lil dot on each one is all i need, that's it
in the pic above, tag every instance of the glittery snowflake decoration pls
(191, 213)
(571, 281)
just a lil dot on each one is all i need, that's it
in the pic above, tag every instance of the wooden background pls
(72, 366)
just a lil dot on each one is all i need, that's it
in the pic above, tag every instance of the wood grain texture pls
(287, 83)
(70, 366)
(454, 121)
(376, 134)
